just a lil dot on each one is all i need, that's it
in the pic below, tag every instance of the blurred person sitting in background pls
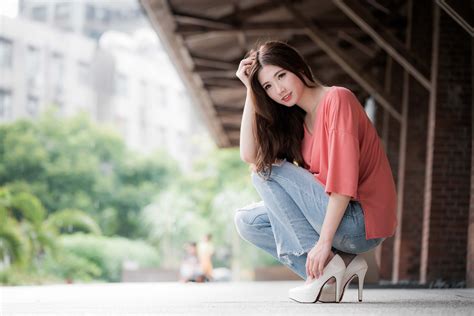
(190, 270)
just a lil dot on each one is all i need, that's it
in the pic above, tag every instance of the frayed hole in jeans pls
(285, 257)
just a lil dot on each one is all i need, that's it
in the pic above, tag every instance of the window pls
(39, 14)
(143, 93)
(33, 60)
(142, 120)
(5, 104)
(90, 12)
(161, 96)
(102, 14)
(6, 53)
(83, 73)
(62, 16)
(32, 106)
(57, 71)
(121, 83)
(62, 11)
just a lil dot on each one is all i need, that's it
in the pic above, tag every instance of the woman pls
(320, 169)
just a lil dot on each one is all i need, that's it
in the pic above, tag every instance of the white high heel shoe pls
(357, 267)
(309, 293)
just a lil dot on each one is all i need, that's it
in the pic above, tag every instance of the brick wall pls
(447, 247)
(451, 174)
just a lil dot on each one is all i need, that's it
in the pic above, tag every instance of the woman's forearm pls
(335, 210)
(248, 150)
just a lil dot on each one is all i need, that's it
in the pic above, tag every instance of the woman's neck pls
(310, 99)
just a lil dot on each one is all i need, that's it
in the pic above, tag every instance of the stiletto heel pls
(361, 277)
(309, 293)
(339, 278)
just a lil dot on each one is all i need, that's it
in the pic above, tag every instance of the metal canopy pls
(346, 43)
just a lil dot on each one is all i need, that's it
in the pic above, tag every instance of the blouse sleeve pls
(343, 144)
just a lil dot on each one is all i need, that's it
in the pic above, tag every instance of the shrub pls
(109, 253)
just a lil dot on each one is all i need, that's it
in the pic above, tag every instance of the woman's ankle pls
(346, 257)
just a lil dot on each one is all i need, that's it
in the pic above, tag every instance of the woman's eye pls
(266, 87)
(281, 75)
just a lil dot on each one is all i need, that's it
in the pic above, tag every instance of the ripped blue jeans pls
(288, 221)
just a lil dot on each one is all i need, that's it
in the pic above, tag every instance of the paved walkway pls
(253, 298)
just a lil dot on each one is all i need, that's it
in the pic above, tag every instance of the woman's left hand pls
(317, 258)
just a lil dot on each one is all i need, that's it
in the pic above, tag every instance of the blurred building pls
(123, 79)
(90, 18)
(41, 66)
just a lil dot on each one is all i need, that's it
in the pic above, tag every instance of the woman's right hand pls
(243, 71)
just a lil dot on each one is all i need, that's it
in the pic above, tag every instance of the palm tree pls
(26, 233)
(14, 248)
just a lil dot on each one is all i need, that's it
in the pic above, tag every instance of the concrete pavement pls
(238, 298)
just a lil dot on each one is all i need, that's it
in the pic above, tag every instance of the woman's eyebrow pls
(276, 74)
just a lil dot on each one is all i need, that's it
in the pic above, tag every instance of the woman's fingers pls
(315, 268)
(308, 267)
(247, 61)
(320, 267)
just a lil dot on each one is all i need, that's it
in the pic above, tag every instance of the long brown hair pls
(278, 129)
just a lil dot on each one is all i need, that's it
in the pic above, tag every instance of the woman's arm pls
(248, 150)
(335, 210)
(317, 257)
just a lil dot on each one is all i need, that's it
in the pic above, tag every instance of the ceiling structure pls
(346, 43)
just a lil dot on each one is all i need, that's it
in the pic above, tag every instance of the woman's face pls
(281, 85)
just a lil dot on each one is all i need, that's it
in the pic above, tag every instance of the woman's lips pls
(287, 97)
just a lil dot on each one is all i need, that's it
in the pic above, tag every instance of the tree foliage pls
(72, 163)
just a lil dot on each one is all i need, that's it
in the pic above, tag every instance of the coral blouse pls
(346, 156)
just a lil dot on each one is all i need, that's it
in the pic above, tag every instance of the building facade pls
(122, 79)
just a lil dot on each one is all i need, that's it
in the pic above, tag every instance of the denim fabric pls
(288, 221)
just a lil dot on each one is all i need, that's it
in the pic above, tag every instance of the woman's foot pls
(346, 257)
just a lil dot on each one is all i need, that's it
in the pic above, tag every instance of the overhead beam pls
(357, 44)
(228, 74)
(212, 63)
(221, 82)
(234, 120)
(385, 39)
(201, 21)
(350, 67)
(189, 29)
(248, 31)
(247, 13)
(229, 108)
(456, 16)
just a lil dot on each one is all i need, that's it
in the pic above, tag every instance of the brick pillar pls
(414, 183)
(470, 246)
(392, 150)
(446, 236)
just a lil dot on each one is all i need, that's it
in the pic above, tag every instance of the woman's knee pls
(262, 177)
(239, 221)
(244, 218)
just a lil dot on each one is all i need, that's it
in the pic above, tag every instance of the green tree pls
(71, 163)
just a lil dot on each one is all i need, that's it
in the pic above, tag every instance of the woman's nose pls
(280, 89)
